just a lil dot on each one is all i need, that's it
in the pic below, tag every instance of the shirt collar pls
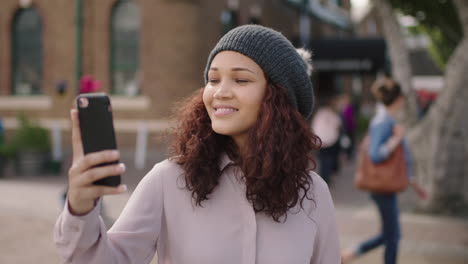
(224, 161)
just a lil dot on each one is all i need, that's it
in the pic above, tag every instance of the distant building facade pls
(147, 54)
(427, 77)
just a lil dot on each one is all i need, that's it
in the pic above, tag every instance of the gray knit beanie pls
(276, 56)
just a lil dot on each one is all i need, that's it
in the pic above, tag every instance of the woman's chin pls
(223, 131)
(226, 130)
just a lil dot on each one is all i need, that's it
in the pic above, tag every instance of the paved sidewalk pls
(426, 239)
(30, 206)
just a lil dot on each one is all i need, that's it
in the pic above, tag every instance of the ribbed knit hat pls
(276, 56)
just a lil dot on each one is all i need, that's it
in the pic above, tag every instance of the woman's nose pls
(223, 90)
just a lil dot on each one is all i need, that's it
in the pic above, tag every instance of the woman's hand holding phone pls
(82, 193)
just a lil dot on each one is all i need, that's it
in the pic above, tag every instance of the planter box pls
(31, 162)
(3, 162)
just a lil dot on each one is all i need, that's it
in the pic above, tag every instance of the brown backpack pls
(389, 176)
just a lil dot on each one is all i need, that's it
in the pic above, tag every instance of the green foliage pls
(362, 125)
(28, 136)
(438, 20)
(5, 151)
(439, 49)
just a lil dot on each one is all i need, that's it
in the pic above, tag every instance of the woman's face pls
(233, 95)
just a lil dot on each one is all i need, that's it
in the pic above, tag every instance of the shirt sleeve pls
(133, 237)
(326, 245)
(379, 135)
(408, 159)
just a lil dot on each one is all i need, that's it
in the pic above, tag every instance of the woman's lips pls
(224, 111)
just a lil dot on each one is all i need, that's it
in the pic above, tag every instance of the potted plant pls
(2, 150)
(30, 146)
(3, 158)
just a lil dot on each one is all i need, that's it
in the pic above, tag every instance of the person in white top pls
(326, 124)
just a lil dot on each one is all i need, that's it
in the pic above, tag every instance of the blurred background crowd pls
(149, 54)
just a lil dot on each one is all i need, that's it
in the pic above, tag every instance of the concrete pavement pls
(30, 205)
(425, 238)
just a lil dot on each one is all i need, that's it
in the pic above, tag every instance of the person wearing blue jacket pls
(385, 135)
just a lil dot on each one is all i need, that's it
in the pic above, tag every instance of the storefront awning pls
(333, 16)
(348, 55)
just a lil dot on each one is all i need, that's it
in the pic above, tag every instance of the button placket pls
(249, 220)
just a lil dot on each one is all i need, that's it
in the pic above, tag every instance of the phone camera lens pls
(83, 102)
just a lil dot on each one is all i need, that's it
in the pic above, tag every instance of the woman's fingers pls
(84, 171)
(76, 136)
(92, 159)
(97, 173)
(82, 200)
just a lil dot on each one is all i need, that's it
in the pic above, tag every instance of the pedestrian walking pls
(238, 188)
(349, 125)
(327, 124)
(385, 137)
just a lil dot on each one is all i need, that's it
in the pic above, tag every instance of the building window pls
(230, 16)
(371, 28)
(125, 48)
(26, 52)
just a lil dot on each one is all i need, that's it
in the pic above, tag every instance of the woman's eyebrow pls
(242, 69)
(233, 69)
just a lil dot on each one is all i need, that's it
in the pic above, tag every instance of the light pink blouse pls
(161, 216)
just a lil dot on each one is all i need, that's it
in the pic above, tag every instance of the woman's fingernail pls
(122, 188)
(122, 167)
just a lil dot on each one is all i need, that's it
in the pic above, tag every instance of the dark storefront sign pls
(316, 9)
(348, 55)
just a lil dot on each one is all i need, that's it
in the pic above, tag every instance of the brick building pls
(147, 54)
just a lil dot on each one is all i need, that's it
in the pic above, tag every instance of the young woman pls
(238, 188)
(385, 136)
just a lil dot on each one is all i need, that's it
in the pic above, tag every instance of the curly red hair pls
(276, 163)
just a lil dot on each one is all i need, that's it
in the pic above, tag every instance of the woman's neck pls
(241, 143)
(394, 108)
(392, 111)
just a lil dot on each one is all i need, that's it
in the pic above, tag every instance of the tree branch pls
(462, 8)
(401, 67)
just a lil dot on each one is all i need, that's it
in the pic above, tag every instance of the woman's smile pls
(221, 110)
(234, 93)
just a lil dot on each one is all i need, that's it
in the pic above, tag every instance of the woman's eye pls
(242, 81)
(213, 81)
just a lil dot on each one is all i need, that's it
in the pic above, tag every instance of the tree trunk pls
(449, 123)
(399, 54)
(438, 141)
(446, 129)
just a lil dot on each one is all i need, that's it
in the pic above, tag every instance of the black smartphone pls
(97, 128)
